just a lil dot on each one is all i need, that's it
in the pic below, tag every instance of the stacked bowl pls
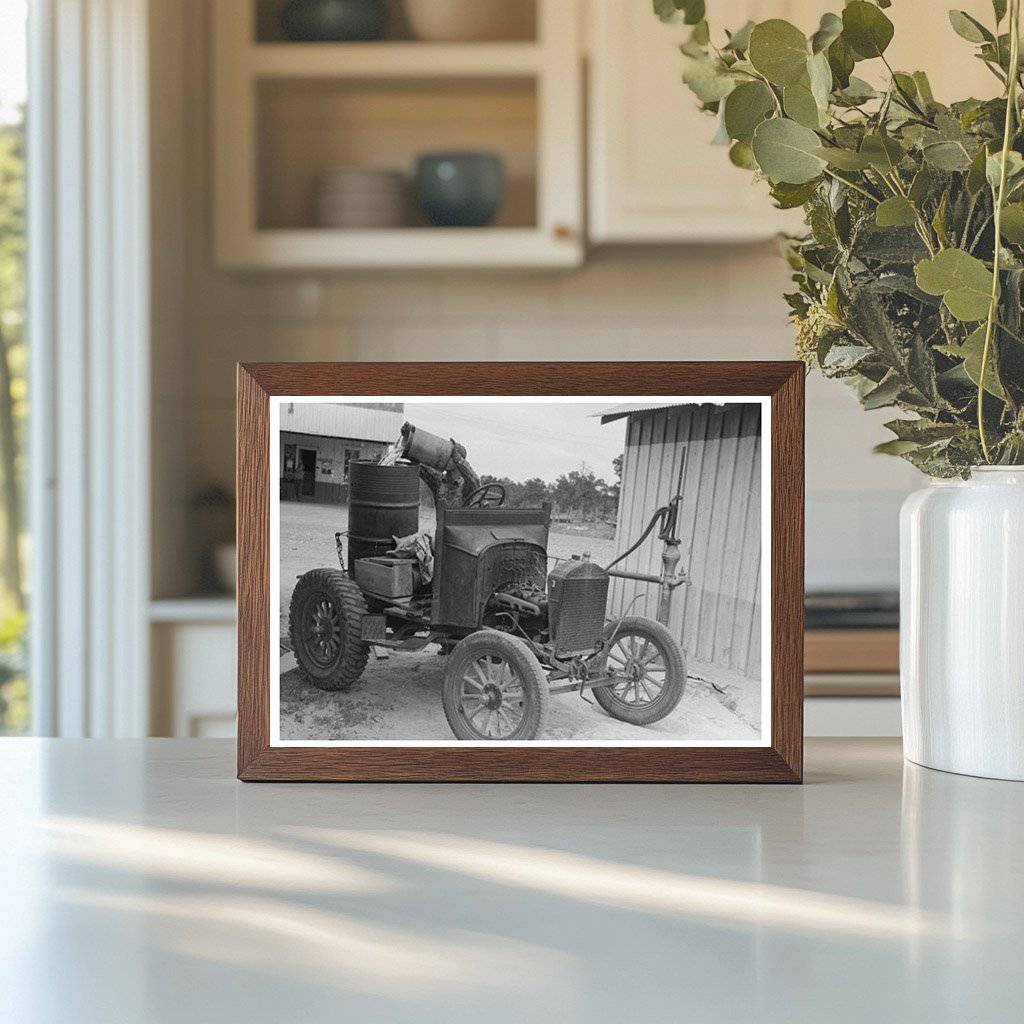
(362, 197)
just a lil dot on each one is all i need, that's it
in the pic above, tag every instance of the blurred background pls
(247, 180)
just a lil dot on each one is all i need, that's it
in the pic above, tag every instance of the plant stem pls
(1011, 109)
(853, 185)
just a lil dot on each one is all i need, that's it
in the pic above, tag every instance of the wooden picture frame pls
(779, 759)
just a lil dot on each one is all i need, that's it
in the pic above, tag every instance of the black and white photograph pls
(524, 570)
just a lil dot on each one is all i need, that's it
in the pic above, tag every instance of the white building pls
(711, 454)
(319, 440)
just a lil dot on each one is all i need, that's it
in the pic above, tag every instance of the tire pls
(504, 685)
(326, 599)
(640, 700)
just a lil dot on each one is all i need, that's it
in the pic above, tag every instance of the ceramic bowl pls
(460, 189)
(359, 197)
(471, 20)
(333, 21)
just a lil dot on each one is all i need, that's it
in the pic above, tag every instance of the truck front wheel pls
(494, 689)
(649, 671)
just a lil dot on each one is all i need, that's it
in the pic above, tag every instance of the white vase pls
(962, 624)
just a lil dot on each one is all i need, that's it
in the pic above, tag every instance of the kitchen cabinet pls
(287, 114)
(654, 177)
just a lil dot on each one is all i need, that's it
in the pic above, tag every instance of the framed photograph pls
(520, 571)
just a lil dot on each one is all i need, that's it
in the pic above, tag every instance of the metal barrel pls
(383, 503)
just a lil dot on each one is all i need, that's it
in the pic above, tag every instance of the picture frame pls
(776, 758)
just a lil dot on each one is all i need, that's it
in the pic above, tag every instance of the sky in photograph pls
(524, 440)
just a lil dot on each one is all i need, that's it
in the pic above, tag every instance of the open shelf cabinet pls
(287, 113)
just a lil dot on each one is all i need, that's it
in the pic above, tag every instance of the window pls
(14, 696)
(350, 455)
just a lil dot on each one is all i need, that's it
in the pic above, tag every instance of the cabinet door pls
(654, 176)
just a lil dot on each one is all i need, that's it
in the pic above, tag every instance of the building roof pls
(359, 421)
(616, 412)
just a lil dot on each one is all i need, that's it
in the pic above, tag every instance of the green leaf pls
(939, 220)
(840, 61)
(829, 30)
(923, 431)
(1012, 224)
(856, 92)
(999, 9)
(885, 394)
(701, 34)
(883, 152)
(788, 197)
(707, 78)
(924, 87)
(800, 105)
(819, 74)
(666, 10)
(922, 185)
(690, 12)
(993, 167)
(745, 108)
(787, 151)
(895, 447)
(963, 281)
(971, 351)
(895, 212)
(779, 51)
(947, 156)
(976, 174)
(739, 41)
(741, 155)
(844, 159)
(969, 28)
(866, 29)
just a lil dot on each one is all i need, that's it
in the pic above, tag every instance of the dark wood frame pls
(780, 762)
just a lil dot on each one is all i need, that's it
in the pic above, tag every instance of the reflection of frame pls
(582, 645)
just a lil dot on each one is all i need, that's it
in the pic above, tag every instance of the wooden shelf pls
(403, 248)
(284, 114)
(852, 650)
(393, 60)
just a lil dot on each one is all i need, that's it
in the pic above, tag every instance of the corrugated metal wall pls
(712, 455)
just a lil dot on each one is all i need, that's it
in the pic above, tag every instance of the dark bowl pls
(460, 189)
(334, 21)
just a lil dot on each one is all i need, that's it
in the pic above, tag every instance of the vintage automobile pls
(514, 633)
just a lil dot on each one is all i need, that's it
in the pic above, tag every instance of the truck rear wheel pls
(494, 689)
(649, 669)
(324, 621)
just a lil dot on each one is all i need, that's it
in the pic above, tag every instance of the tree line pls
(579, 494)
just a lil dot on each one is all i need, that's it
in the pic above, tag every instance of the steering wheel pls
(486, 496)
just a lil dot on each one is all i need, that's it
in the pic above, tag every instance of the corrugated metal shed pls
(363, 422)
(711, 454)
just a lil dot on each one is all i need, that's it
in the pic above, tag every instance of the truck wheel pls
(649, 668)
(494, 689)
(324, 622)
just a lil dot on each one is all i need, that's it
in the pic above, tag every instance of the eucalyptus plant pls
(910, 277)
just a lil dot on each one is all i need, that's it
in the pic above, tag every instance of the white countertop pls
(140, 882)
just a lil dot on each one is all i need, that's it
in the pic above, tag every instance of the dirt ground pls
(399, 697)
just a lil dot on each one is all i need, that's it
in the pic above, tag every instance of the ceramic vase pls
(962, 624)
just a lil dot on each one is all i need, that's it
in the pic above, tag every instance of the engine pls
(577, 599)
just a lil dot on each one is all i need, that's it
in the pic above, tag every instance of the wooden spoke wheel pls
(649, 669)
(495, 689)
